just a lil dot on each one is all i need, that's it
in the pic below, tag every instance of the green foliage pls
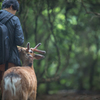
(0, 5)
(71, 39)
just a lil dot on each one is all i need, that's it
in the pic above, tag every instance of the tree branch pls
(49, 79)
(89, 12)
(55, 43)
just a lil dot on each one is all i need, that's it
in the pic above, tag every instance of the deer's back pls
(26, 75)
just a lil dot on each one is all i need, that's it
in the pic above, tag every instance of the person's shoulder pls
(15, 18)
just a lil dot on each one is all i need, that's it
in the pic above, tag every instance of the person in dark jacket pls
(15, 33)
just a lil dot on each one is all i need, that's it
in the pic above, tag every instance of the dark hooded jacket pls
(15, 34)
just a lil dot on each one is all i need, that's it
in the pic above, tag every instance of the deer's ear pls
(20, 49)
(38, 56)
(28, 46)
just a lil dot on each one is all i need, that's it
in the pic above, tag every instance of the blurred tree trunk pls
(92, 70)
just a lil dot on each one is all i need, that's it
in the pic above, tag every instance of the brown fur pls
(22, 84)
(28, 83)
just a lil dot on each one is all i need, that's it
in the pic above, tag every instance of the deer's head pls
(27, 54)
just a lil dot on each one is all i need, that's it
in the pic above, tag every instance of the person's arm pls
(19, 37)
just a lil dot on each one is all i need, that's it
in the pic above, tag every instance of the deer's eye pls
(30, 51)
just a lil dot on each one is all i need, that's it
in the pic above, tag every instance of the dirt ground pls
(71, 96)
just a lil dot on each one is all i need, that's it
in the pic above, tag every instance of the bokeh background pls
(69, 31)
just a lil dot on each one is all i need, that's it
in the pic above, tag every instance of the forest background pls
(69, 31)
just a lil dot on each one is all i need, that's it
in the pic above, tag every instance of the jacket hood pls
(3, 14)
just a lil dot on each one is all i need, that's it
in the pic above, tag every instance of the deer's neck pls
(27, 64)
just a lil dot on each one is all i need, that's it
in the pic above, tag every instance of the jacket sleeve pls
(19, 37)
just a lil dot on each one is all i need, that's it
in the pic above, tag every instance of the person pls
(15, 33)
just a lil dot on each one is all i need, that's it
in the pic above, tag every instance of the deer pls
(20, 82)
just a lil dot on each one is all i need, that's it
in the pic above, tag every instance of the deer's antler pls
(36, 50)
